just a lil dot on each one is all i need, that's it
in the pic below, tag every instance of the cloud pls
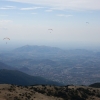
(65, 4)
(3, 15)
(7, 7)
(3, 28)
(33, 13)
(49, 10)
(31, 8)
(2, 22)
(63, 15)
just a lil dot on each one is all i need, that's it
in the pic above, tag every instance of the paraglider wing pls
(6, 39)
(50, 30)
(87, 22)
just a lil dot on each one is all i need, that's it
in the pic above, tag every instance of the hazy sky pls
(74, 22)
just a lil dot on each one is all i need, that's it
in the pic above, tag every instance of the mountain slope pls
(95, 85)
(4, 66)
(20, 78)
(48, 92)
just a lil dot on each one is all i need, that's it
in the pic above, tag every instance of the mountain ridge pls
(43, 48)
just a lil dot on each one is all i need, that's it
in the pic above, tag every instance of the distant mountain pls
(42, 52)
(48, 49)
(77, 66)
(35, 48)
(20, 78)
(33, 52)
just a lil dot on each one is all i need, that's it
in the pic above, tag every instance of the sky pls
(74, 23)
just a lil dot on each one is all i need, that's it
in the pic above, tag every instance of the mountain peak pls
(36, 48)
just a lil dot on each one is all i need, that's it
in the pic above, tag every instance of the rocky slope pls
(48, 92)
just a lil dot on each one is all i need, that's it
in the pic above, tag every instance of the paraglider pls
(87, 22)
(6, 39)
(50, 30)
